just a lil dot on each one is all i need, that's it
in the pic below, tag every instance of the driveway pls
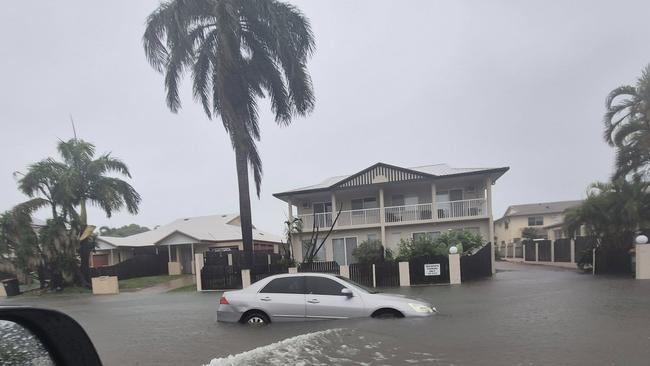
(525, 315)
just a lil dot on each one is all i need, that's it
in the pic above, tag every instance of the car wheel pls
(387, 314)
(256, 319)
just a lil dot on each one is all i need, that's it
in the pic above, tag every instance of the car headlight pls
(419, 308)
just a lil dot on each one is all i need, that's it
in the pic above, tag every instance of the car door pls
(325, 301)
(283, 298)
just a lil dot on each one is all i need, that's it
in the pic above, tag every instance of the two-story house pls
(390, 203)
(545, 217)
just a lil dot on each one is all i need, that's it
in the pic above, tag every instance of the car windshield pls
(358, 286)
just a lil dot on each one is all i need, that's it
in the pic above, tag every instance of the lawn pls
(188, 288)
(142, 282)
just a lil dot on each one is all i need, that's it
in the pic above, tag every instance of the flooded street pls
(526, 315)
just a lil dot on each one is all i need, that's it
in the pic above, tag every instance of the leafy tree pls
(465, 241)
(67, 187)
(627, 126)
(372, 251)
(18, 241)
(612, 213)
(236, 51)
(530, 233)
(122, 231)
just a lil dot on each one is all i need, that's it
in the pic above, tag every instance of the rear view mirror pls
(346, 291)
(33, 336)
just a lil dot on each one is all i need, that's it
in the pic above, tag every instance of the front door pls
(186, 259)
(283, 298)
(325, 301)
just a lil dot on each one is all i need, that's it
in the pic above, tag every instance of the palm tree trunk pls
(244, 206)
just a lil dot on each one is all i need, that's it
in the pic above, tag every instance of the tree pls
(236, 51)
(371, 251)
(18, 241)
(612, 212)
(122, 231)
(627, 126)
(67, 187)
(530, 233)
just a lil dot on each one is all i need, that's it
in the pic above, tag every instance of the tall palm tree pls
(236, 51)
(627, 126)
(67, 187)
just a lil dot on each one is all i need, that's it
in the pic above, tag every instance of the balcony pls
(423, 212)
(366, 216)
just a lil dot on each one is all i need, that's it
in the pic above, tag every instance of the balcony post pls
(382, 217)
(290, 207)
(334, 209)
(434, 209)
(488, 205)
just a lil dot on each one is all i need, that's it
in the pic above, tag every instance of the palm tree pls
(67, 187)
(236, 51)
(627, 126)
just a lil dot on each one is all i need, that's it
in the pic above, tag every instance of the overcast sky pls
(469, 83)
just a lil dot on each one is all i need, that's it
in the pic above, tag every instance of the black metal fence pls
(544, 250)
(261, 271)
(217, 258)
(529, 250)
(218, 277)
(138, 266)
(477, 265)
(583, 249)
(562, 250)
(387, 274)
(613, 261)
(323, 267)
(361, 273)
(418, 273)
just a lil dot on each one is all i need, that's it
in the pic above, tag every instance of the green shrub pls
(465, 241)
(372, 252)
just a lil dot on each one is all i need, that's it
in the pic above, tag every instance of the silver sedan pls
(313, 296)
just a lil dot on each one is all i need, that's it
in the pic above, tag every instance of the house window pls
(320, 254)
(343, 248)
(373, 237)
(404, 200)
(535, 220)
(430, 235)
(473, 230)
(364, 203)
(321, 207)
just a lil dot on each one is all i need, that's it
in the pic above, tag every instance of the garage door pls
(100, 260)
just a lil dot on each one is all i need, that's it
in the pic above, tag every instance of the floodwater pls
(525, 315)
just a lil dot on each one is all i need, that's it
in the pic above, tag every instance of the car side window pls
(322, 286)
(286, 285)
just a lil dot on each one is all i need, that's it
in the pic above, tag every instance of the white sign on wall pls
(432, 269)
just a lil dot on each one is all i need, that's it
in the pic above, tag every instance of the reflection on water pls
(18, 346)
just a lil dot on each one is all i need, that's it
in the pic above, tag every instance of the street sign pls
(432, 269)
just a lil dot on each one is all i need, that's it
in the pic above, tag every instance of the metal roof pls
(541, 208)
(213, 228)
(433, 171)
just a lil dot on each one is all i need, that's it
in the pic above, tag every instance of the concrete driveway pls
(525, 315)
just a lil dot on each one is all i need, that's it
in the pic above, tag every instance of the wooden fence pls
(138, 266)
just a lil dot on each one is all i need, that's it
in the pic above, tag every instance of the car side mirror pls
(346, 292)
(44, 337)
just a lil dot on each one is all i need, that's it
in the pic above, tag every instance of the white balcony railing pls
(359, 217)
(418, 212)
(462, 208)
(322, 220)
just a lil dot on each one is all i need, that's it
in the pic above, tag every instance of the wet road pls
(526, 315)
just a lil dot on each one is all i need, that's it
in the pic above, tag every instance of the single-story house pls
(180, 240)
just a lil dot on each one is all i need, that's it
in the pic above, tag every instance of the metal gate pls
(218, 277)
(477, 265)
(417, 267)
(387, 274)
(361, 273)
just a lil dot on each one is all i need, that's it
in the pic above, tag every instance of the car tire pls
(256, 319)
(387, 314)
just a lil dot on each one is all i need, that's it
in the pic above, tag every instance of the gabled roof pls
(367, 175)
(541, 208)
(213, 228)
